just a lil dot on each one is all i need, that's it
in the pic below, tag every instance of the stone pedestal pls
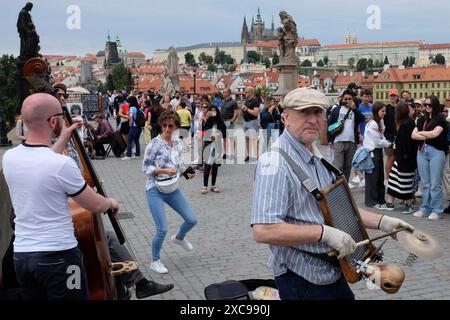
(288, 79)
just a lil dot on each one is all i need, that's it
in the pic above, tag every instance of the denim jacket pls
(362, 160)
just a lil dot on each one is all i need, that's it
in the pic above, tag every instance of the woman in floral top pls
(164, 160)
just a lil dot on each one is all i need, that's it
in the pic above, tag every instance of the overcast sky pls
(145, 25)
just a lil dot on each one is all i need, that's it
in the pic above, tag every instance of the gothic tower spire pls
(244, 34)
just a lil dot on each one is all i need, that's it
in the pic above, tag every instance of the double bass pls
(89, 229)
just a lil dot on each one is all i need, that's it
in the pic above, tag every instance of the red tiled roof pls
(373, 44)
(308, 42)
(432, 73)
(136, 54)
(435, 46)
(344, 80)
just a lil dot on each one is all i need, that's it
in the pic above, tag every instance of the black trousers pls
(55, 275)
(210, 168)
(98, 146)
(374, 193)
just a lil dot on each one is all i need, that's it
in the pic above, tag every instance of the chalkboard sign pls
(91, 104)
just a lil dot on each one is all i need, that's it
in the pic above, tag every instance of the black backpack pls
(140, 119)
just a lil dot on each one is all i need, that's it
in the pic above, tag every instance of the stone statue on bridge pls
(29, 39)
(288, 39)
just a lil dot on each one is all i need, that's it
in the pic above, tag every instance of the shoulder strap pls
(306, 181)
(348, 113)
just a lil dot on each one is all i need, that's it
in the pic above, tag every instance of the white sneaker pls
(184, 243)
(125, 158)
(356, 179)
(158, 267)
(434, 216)
(362, 183)
(419, 214)
(351, 186)
(418, 194)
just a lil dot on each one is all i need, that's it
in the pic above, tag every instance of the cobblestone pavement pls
(224, 248)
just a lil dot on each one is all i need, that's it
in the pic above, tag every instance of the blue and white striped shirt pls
(279, 197)
(159, 154)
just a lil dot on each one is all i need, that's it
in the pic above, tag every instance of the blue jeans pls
(430, 162)
(177, 202)
(275, 133)
(293, 287)
(133, 136)
(47, 275)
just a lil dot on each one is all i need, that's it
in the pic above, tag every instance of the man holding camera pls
(346, 141)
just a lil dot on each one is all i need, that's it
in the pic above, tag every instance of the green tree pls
(275, 59)
(351, 62)
(320, 63)
(265, 61)
(439, 59)
(8, 88)
(325, 60)
(406, 62)
(361, 65)
(216, 56)
(122, 77)
(212, 67)
(110, 82)
(370, 64)
(202, 57)
(412, 61)
(101, 87)
(386, 61)
(306, 63)
(189, 59)
(253, 57)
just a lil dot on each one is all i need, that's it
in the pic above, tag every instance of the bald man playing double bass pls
(40, 181)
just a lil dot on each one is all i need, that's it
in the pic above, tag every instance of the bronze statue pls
(288, 39)
(29, 39)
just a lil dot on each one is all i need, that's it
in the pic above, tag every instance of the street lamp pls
(195, 78)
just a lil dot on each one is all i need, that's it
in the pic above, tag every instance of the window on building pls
(439, 94)
(421, 95)
(409, 85)
(421, 86)
(432, 85)
(386, 96)
(438, 85)
(415, 85)
(378, 96)
(426, 85)
(445, 94)
(445, 84)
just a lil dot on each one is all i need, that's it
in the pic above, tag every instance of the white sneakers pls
(186, 245)
(433, 216)
(158, 267)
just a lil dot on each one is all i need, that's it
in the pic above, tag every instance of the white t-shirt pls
(348, 134)
(40, 182)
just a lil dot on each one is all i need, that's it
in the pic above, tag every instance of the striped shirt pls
(159, 154)
(279, 197)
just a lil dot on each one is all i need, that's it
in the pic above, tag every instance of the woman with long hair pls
(215, 130)
(163, 161)
(374, 141)
(135, 131)
(431, 131)
(401, 178)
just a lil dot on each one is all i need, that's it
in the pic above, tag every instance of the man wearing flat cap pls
(286, 215)
(103, 134)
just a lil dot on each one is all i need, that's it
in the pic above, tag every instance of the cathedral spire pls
(258, 16)
(109, 37)
(244, 34)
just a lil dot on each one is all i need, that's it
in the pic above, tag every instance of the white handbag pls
(168, 185)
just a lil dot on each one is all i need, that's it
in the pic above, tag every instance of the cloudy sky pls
(145, 25)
